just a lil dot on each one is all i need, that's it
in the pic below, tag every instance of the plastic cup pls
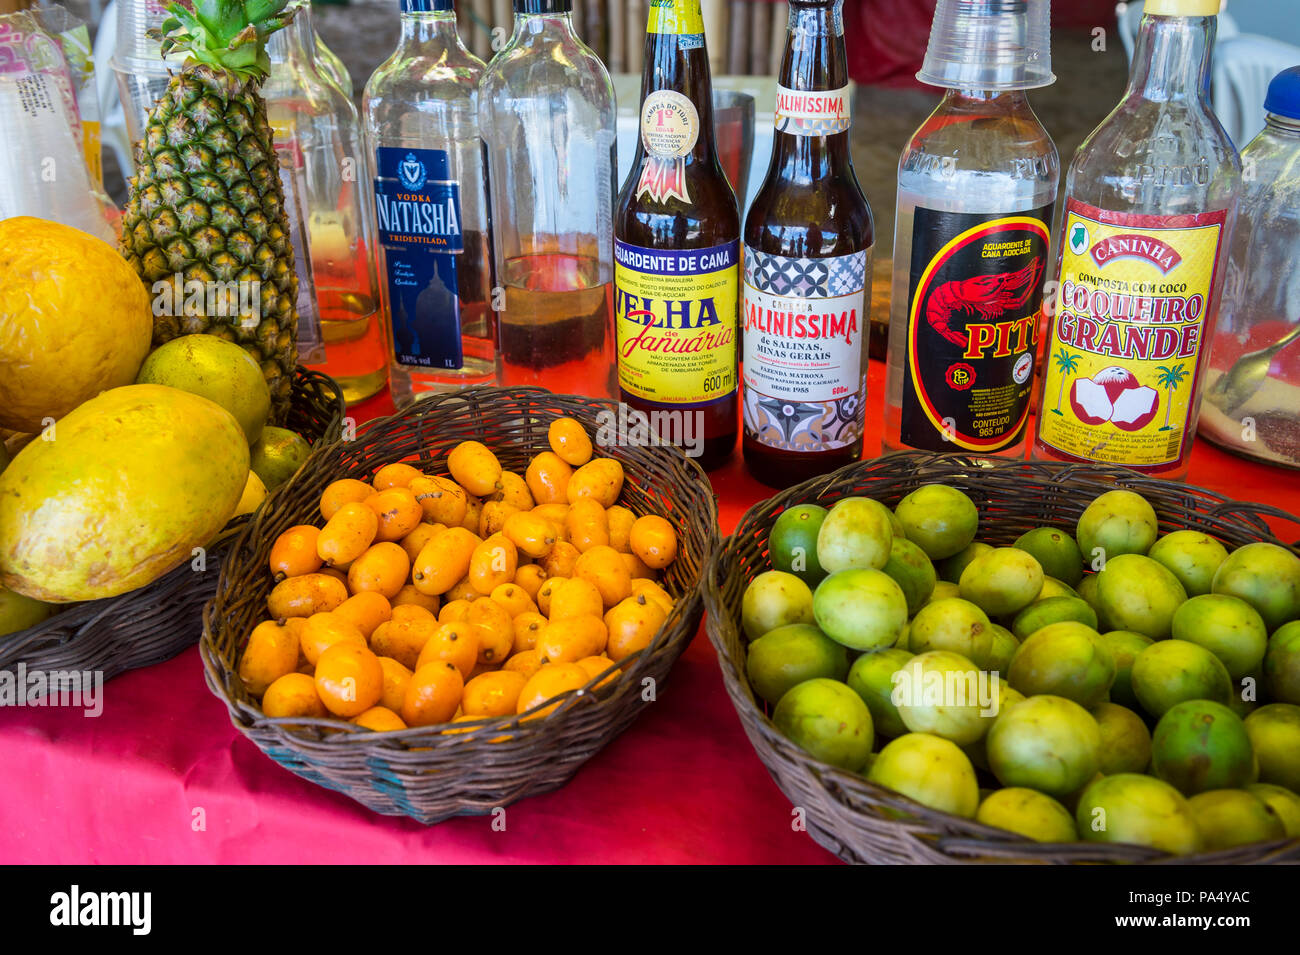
(989, 45)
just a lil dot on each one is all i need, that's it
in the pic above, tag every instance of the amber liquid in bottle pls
(806, 377)
(677, 270)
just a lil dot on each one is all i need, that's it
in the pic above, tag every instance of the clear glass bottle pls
(977, 184)
(318, 129)
(432, 209)
(333, 67)
(1252, 385)
(546, 109)
(1151, 198)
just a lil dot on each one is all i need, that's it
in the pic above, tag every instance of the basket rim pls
(722, 629)
(677, 631)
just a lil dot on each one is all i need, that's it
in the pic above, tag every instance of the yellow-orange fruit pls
(493, 694)
(433, 694)
(604, 567)
(398, 511)
(306, 595)
(349, 680)
(294, 552)
(344, 491)
(570, 441)
(443, 501)
(444, 561)
(366, 610)
(395, 475)
(601, 480)
(347, 535)
(548, 478)
(271, 652)
(294, 694)
(475, 468)
(383, 569)
(570, 639)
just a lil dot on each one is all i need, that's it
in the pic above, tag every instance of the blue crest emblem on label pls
(412, 173)
(417, 205)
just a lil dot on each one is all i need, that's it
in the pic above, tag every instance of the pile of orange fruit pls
(423, 599)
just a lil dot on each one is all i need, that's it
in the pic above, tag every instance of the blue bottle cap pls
(1283, 97)
(428, 6)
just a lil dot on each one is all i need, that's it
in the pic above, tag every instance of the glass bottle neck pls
(1283, 125)
(1172, 58)
(437, 27)
(532, 25)
(296, 43)
(815, 61)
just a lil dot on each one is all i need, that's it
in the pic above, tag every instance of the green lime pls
(774, 599)
(792, 544)
(827, 720)
(789, 655)
(277, 455)
(871, 677)
(940, 519)
(1056, 551)
(912, 571)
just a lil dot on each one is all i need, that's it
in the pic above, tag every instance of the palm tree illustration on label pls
(1114, 394)
(1171, 376)
(1067, 364)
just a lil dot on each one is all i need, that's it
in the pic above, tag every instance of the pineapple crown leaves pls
(227, 35)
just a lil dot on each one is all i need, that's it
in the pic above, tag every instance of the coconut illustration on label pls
(1114, 394)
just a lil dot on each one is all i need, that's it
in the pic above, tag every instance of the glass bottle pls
(808, 242)
(677, 250)
(977, 185)
(1151, 197)
(1252, 385)
(431, 202)
(333, 67)
(319, 130)
(546, 109)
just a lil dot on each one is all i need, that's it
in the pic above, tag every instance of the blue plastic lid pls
(427, 6)
(1283, 97)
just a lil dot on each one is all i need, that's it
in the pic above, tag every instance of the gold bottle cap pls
(1182, 8)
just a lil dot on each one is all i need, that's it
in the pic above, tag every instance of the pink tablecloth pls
(162, 777)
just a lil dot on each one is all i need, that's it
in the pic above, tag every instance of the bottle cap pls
(989, 45)
(1283, 97)
(1181, 8)
(428, 6)
(543, 6)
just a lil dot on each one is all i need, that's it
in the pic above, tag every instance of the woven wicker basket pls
(424, 773)
(860, 821)
(157, 622)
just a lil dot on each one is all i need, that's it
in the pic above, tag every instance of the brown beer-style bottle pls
(808, 244)
(677, 251)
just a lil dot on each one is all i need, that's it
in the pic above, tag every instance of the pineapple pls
(206, 201)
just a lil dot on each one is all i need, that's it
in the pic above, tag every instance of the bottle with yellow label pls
(677, 250)
(1151, 197)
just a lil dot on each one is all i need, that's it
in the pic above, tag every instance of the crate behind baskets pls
(862, 822)
(431, 773)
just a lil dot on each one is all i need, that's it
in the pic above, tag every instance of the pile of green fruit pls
(1110, 685)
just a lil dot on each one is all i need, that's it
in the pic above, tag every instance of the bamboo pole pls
(780, 34)
(503, 17)
(638, 15)
(760, 39)
(596, 29)
(579, 17)
(616, 18)
(715, 29)
(738, 37)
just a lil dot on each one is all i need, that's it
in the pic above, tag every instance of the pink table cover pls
(162, 777)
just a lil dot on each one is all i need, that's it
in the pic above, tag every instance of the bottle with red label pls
(1151, 197)
(808, 243)
(977, 186)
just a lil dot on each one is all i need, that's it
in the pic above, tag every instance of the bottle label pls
(676, 18)
(418, 208)
(813, 113)
(805, 325)
(1123, 357)
(670, 130)
(676, 320)
(976, 288)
